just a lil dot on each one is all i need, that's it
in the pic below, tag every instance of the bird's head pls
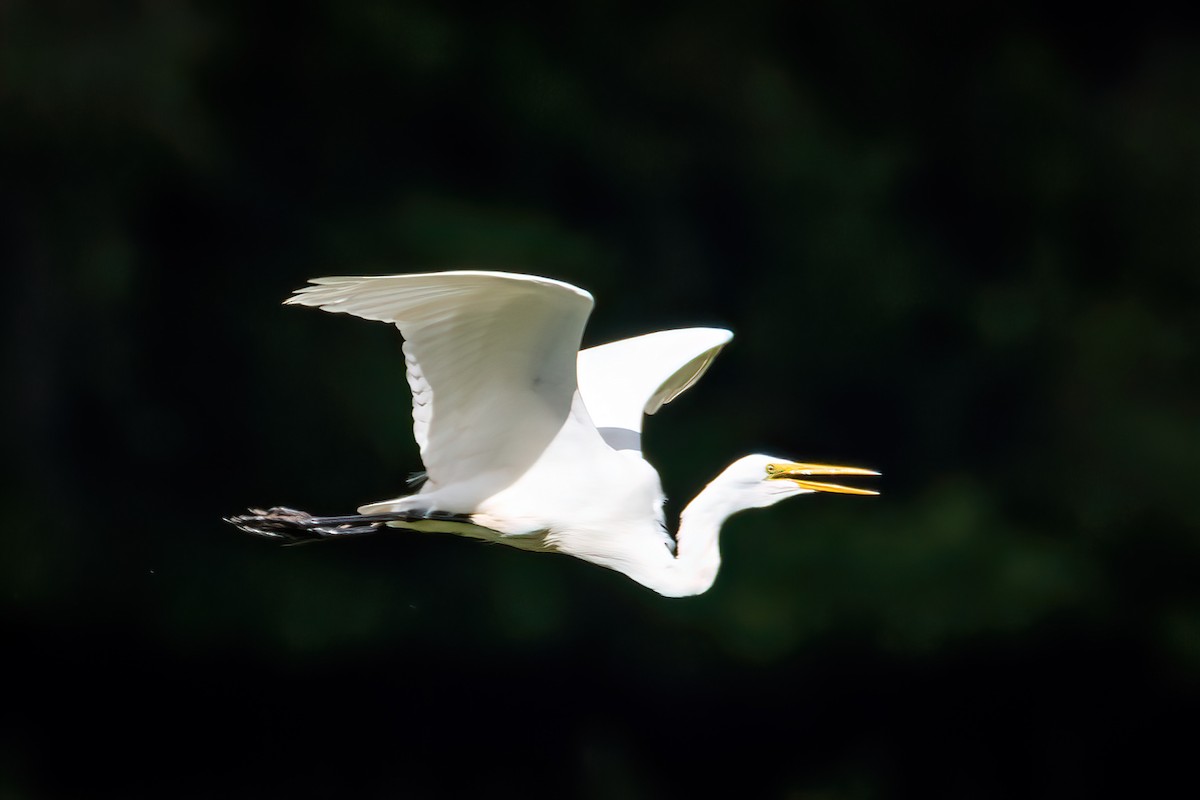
(762, 480)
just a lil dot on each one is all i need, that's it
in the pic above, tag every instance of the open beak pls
(799, 474)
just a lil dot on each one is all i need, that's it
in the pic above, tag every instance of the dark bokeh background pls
(958, 244)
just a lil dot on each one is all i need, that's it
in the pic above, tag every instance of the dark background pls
(958, 243)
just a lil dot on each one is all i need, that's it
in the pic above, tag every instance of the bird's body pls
(530, 442)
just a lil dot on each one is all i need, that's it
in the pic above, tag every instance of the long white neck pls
(698, 551)
(645, 555)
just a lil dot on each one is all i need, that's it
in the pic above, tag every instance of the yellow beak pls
(792, 472)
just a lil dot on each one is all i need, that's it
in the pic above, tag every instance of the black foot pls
(297, 527)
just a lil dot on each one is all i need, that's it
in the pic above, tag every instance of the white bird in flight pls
(528, 441)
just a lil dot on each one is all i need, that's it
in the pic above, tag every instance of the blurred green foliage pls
(957, 245)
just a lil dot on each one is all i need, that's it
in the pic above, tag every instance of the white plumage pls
(530, 442)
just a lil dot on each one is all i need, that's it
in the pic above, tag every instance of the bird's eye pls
(772, 469)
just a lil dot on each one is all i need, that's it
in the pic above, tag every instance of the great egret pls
(529, 442)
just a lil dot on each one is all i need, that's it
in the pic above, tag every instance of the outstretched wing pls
(623, 380)
(491, 361)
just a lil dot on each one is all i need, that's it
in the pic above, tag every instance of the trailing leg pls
(297, 527)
